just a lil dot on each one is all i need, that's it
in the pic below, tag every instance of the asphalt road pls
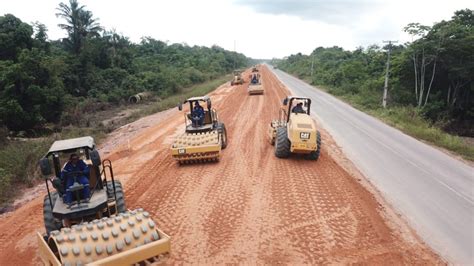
(433, 191)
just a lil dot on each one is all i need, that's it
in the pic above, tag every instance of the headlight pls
(305, 135)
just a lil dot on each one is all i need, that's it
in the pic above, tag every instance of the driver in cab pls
(197, 115)
(76, 167)
(298, 109)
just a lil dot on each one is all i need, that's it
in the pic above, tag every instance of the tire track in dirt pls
(250, 207)
(250, 182)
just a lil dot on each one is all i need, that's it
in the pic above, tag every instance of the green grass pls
(17, 164)
(19, 158)
(410, 121)
(407, 119)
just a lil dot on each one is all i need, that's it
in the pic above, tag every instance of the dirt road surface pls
(250, 207)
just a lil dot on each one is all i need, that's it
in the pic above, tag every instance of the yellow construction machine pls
(254, 71)
(202, 140)
(237, 79)
(98, 230)
(255, 86)
(295, 131)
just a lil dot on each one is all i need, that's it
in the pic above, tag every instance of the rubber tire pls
(282, 143)
(223, 134)
(120, 204)
(314, 155)
(50, 223)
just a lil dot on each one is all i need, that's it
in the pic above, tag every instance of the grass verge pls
(409, 120)
(19, 159)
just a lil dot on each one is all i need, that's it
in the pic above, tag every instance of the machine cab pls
(58, 154)
(296, 105)
(209, 121)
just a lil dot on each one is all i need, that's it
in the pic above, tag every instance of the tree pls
(423, 54)
(80, 24)
(15, 35)
(457, 57)
(59, 82)
(41, 36)
(30, 93)
(434, 72)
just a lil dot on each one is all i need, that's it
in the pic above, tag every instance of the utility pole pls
(385, 88)
(235, 51)
(312, 65)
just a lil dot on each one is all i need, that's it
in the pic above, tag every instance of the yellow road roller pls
(204, 136)
(93, 229)
(295, 131)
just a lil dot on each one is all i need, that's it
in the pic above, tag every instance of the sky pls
(257, 28)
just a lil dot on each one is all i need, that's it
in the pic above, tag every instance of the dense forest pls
(45, 82)
(55, 89)
(432, 75)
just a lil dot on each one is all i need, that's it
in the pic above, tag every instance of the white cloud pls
(261, 29)
(338, 12)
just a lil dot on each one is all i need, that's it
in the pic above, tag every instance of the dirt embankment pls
(250, 207)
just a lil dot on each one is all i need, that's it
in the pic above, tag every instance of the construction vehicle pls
(295, 131)
(255, 86)
(200, 142)
(98, 230)
(237, 79)
(253, 72)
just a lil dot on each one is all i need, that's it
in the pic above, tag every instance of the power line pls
(385, 88)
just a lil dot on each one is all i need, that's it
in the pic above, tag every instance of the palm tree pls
(79, 24)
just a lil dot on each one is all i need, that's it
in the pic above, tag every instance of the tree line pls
(46, 81)
(433, 73)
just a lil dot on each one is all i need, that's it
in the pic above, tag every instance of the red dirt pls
(250, 207)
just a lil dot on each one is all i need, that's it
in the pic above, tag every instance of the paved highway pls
(433, 191)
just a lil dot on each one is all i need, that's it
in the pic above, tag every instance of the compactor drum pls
(295, 131)
(201, 141)
(98, 230)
